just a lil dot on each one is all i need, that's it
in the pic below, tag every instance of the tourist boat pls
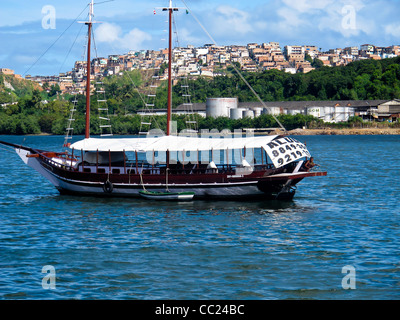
(205, 167)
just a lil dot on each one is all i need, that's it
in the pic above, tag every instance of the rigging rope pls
(41, 56)
(236, 69)
(70, 49)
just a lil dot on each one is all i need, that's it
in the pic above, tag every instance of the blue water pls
(133, 249)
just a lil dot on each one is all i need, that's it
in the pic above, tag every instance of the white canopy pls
(281, 150)
(171, 143)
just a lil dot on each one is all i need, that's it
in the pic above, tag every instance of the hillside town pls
(212, 60)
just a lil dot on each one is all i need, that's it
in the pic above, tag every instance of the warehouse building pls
(328, 111)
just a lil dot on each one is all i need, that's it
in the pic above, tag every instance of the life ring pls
(108, 187)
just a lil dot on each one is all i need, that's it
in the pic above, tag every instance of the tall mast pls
(170, 10)
(89, 24)
(169, 110)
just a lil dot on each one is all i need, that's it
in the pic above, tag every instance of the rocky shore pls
(347, 131)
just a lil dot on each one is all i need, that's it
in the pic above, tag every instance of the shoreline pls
(346, 131)
(294, 132)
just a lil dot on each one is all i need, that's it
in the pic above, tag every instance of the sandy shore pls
(353, 131)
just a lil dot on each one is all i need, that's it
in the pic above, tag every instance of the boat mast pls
(170, 9)
(169, 71)
(89, 24)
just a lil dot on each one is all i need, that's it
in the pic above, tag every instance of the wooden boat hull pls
(258, 185)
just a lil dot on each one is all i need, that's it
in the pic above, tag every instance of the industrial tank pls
(236, 113)
(257, 111)
(293, 111)
(329, 114)
(351, 112)
(219, 107)
(272, 110)
(316, 112)
(343, 113)
(248, 113)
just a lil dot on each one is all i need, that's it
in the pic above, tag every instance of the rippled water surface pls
(135, 249)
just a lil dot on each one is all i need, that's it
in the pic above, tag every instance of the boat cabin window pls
(104, 157)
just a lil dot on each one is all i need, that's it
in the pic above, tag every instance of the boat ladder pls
(102, 107)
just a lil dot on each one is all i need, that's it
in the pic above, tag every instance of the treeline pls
(46, 111)
(53, 123)
(360, 80)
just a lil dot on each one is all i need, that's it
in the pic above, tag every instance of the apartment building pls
(294, 54)
(6, 71)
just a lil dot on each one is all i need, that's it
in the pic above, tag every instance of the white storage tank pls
(317, 112)
(272, 110)
(340, 114)
(220, 107)
(352, 112)
(329, 114)
(236, 113)
(248, 113)
(257, 111)
(347, 112)
(293, 112)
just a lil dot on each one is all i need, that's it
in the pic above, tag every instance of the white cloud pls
(134, 39)
(108, 32)
(290, 18)
(393, 29)
(325, 23)
(231, 20)
(112, 34)
(187, 36)
(305, 6)
(349, 18)
(319, 22)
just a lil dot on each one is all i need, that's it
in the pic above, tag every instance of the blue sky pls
(29, 31)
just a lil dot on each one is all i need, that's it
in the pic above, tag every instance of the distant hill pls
(39, 111)
(360, 80)
(13, 87)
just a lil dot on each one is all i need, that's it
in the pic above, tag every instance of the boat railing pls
(60, 160)
(145, 168)
(262, 167)
(74, 163)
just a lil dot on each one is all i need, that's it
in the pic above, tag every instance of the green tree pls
(46, 122)
(54, 90)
